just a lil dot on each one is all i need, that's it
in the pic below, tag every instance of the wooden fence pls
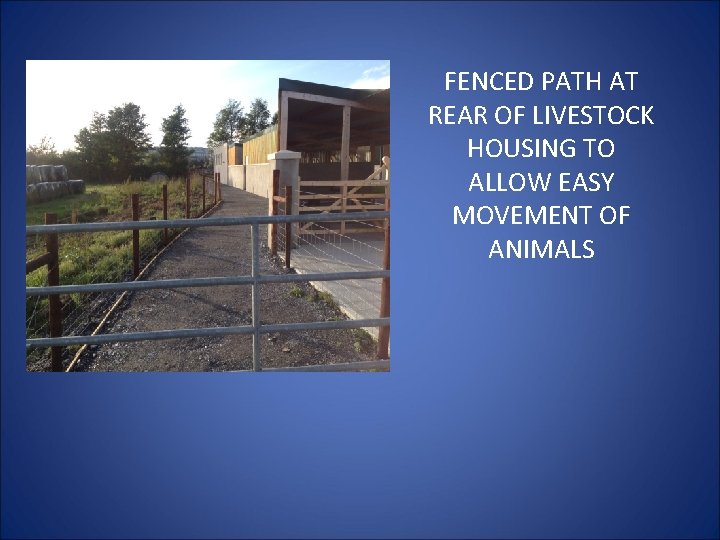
(371, 194)
(51, 258)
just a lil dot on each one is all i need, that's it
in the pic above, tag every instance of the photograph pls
(238, 220)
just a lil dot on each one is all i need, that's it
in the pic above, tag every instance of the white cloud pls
(374, 77)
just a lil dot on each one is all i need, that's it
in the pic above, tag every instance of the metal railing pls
(255, 280)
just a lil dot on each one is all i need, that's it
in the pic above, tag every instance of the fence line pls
(79, 316)
(255, 280)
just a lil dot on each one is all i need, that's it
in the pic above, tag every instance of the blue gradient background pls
(527, 398)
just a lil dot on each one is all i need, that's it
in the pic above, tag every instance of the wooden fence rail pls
(342, 196)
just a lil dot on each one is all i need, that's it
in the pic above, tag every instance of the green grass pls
(296, 292)
(101, 257)
(115, 198)
(64, 206)
(327, 298)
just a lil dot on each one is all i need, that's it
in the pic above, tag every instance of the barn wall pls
(220, 162)
(258, 179)
(236, 176)
(235, 153)
(256, 150)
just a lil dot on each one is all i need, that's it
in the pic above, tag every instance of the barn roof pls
(315, 126)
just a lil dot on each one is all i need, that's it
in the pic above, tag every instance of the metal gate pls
(255, 280)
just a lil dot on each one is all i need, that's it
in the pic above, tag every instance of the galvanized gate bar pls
(204, 282)
(254, 229)
(194, 223)
(155, 335)
(255, 280)
(361, 365)
(324, 325)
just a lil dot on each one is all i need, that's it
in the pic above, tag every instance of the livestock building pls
(340, 133)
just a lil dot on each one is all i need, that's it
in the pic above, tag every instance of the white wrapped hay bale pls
(49, 173)
(33, 173)
(159, 177)
(42, 191)
(76, 186)
(61, 174)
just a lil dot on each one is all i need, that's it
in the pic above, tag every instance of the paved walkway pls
(358, 299)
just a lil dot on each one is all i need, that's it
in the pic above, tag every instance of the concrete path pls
(358, 299)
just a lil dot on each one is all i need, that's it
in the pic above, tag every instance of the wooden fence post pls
(203, 189)
(135, 199)
(74, 217)
(274, 211)
(165, 215)
(219, 188)
(54, 305)
(384, 331)
(187, 198)
(215, 186)
(288, 225)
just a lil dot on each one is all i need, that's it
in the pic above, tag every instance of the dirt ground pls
(223, 251)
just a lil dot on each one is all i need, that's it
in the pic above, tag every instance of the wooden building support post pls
(345, 160)
(283, 120)
(345, 145)
(288, 225)
(165, 215)
(135, 201)
(54, 305)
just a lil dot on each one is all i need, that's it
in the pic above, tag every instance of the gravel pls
(223, 251)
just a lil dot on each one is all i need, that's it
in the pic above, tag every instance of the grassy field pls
(116, 199)
(100, 257)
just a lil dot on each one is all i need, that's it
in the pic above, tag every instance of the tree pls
(43, 153)
(127, 137)
(113, 145)
(257, 118)
(174, 150)
(228, 125)
(274, 120)
(93, 149)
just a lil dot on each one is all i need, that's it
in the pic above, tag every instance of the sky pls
(62, 94)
